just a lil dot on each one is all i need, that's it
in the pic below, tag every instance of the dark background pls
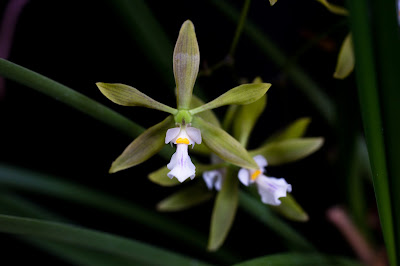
(78, 43)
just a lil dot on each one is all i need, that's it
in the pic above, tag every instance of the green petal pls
(129, 96)
(224, 212)
(246, 118)
(160, 178)
(143, 147)
(289, 150)
(291, 209)
(243, 94)
(185, 198)
(338, 10)
(295, 130)
(186, 64)
(224, 145)
(346, 60)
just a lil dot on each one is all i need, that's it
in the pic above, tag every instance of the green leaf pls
(299, 259)
(294, 240)
(224, 145)
(143, 147)
(335, 9)
(160, 177)
(290, 209)
(243, 94)
(289, 150)
(186, 61)
(346, 60)
(68, 96)
(137, 252)
(185, 198)
(295, 130)
(246, 118)
(128, 96)
(224, 211)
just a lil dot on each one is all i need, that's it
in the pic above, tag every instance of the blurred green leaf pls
(243, 94)
(17, 178)
(68, 96)
(185, 198)
(77, 236)
(229, 115)
(289, 150)
(346, 60)
(335, 9)
(293, 239)
(246, 118)
(224, 145)
(295, 130)
(143, 147)
(375, 29)
(290, 209)
(299, 259)
(186, 61)
(128, 96)
(224, 211)
(160, 177)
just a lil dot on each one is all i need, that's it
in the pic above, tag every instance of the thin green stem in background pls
(367, 68)
(239, 29)
(309, 88)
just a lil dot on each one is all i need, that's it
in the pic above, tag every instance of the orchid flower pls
(269, 188)
(188, 124)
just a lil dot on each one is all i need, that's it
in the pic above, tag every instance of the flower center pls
(182, 141)
(255, 175)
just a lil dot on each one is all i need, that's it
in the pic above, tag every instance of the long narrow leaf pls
(371, 96)
(298, 259)
(77, 236)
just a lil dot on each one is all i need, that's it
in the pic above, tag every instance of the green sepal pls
(272, 2)
(346, 59)
(290, 209)
(143, 147)
(224, 211)
(224, 145)
(296, 129)
(185, 198)
(160, 177)
(246, 118)
(289, 150)
(128, 96)
(186, 61)
(243, 94)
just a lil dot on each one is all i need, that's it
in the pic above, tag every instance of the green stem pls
(309, 88)
(239, 29)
